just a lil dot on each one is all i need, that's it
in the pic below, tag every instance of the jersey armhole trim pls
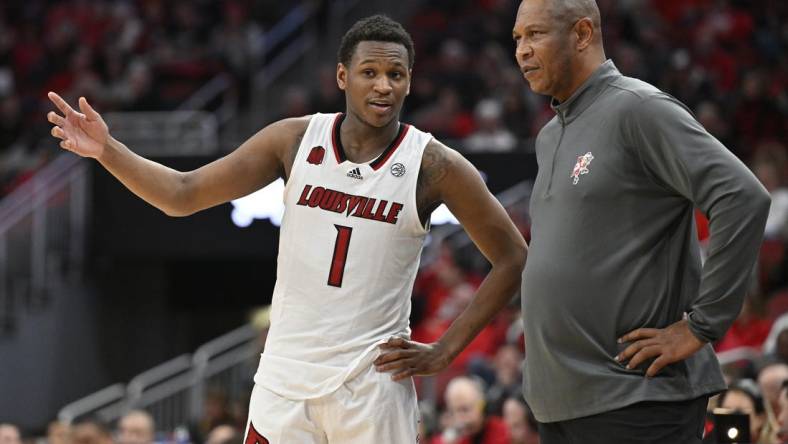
(299, 157)
(422, 229)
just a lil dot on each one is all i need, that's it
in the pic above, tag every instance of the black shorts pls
(649, 422)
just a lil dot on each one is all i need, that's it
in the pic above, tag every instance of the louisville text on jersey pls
(357, 206)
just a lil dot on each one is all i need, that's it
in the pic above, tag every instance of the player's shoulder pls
(440, 161)
(294, 127)
(439, 155)
(285, 135)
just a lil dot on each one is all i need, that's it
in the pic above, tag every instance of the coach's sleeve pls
(679, 154)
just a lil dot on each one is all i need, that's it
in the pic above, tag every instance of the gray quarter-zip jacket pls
(614, 246)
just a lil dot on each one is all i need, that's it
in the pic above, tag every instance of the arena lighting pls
(266, 203)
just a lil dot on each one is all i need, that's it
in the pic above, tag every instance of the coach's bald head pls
(559, 44)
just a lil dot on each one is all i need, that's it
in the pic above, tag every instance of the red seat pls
(770, 256)
(777, 304)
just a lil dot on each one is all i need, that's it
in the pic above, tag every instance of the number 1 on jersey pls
(340, 255)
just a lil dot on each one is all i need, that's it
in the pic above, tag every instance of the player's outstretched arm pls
(451, 179)
(257, 162)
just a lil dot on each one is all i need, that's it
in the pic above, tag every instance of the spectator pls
(770, 380)
(507, 363)
(743, 396)
(782, 418)
(328, 97)
(446, 117)
(523, 428)
(58, 433)
(9, 434)
(776, 344)
(490, 134)
(467, 420)
(295, 102)
(750, 329)
(216, 412)
(769, 171)
(455, 71)
(224, 434)
(757, 116)
(237, 42)
(710, 116)
(91, 431)
(136, 427)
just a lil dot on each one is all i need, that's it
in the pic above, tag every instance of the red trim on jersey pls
(339, 150)
(254, 437)
(339, 153)
(380, 161)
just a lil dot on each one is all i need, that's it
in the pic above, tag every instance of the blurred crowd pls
(725, 59)
(130, 55)
(134, 427)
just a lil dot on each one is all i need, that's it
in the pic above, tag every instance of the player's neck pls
(363, 142)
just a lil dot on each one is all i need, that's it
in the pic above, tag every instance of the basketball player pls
(360, 187)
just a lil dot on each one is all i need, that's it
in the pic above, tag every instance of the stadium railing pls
(105, 404)
(164, 391)
(227, 362)
(42, 237)
(172, 392)
(166, 133)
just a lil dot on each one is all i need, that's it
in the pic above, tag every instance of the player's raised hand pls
(83, 133)
(404, 358)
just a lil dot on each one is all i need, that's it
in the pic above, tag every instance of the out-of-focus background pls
(109, 306)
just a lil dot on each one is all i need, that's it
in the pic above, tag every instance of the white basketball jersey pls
(349, 250)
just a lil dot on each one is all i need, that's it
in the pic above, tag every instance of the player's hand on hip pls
(404, 358)
(667, 345)
(83, 133)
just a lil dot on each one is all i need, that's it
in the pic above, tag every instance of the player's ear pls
(341, 76)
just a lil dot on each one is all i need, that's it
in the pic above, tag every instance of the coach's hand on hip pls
(404, 358)
(671, 344)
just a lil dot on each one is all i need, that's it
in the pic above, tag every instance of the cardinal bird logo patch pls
(316, 155)
(581, 167)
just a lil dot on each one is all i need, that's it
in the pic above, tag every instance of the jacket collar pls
(586, 94)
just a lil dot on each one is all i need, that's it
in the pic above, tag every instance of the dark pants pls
(650, 422)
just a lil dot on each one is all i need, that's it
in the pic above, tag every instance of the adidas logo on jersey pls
(355, 173)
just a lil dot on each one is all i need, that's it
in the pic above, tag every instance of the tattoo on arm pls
(434, 168)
